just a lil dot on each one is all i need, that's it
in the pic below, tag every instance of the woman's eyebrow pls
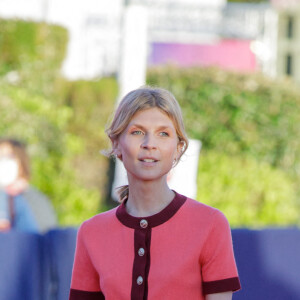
(162, 127)
(136, 125)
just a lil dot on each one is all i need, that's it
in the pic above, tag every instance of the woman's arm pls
(219, 296)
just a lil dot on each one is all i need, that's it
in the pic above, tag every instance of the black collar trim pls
(154, 220)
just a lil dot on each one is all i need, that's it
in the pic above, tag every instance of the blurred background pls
(234, 67)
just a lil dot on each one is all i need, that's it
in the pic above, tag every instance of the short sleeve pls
(218, 267)
(85, 279)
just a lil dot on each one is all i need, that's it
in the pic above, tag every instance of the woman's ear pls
(116, 149)
(180, 147)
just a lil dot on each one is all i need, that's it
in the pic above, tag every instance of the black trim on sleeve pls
(85, 295)
(220, 286)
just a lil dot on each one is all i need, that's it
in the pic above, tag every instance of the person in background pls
(22, 207)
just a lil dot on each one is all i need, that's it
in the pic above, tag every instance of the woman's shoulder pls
(198, 216)
(103, 219)
(203, 211)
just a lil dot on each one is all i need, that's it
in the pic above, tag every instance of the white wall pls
(29, 9)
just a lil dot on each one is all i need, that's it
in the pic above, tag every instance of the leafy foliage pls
(249, 192)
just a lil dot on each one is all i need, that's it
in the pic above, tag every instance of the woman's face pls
(9, 166)
(148, 146)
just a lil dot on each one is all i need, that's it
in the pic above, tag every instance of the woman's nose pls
(149, 142)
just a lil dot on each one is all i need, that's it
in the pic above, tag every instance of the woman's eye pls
(163, 133)
(136, 132)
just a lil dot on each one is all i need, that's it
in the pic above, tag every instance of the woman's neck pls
(148, 198)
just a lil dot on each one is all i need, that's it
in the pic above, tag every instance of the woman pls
(157, 244)
(21, 206)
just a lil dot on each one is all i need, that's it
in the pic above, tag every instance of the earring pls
(174, 162)
(117, 154)
(114, 155)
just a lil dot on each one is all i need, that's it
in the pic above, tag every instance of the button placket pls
(142, 240)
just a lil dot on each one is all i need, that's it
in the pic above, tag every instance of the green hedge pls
(249, 192)
(34, 53)
(92, 103)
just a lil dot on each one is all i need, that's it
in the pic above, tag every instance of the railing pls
(39, 267)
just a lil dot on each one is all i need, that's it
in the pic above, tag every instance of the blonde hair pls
(141, 99)
(18, 150)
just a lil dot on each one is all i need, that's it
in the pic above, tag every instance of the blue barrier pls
(61, 247)
(269, 263)
(36, 267)
(21, 259)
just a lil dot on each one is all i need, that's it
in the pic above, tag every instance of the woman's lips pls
(149, 161)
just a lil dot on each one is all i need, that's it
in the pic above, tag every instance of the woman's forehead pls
(153, 115)
(151, 111)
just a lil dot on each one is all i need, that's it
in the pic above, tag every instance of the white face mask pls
(9, 170)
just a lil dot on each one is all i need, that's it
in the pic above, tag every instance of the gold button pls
(139, 280)
(143, 223)
(141, 252)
